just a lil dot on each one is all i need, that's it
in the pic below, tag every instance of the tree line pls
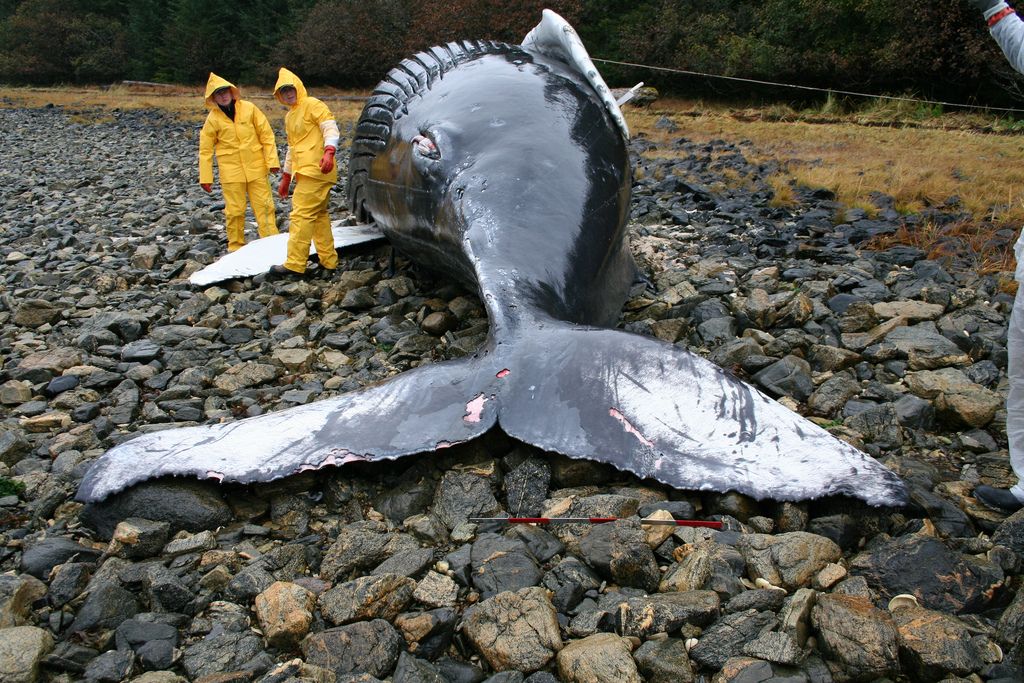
(895, 46)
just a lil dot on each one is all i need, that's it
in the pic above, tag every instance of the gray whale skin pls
(506, 167)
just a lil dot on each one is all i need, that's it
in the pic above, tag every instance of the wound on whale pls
(506, 167)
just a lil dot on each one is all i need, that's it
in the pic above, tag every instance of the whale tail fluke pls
(424, 409)
(639, 404)
(660, 411)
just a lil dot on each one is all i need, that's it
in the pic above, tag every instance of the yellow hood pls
(286, 77)
(215, 83)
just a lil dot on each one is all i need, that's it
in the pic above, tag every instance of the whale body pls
(507, 168)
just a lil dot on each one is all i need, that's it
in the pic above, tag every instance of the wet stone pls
(367, 598)
(666, 612)
(938, 576)
(188, 505)
(664, 661)
(933, 644)
(461, 495)
(410, 564)
(619, 552)
(728, 635)
(600, 658)
(153, 643)
(427, 634)
(366, 647)
(222, 652)
(514, 630)
(110, 667)
(857, 634)
(44, 555)
(526, 487)
(502, 564)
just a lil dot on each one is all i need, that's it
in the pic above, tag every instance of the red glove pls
(327, 160)
(207, 187)
(282, 189)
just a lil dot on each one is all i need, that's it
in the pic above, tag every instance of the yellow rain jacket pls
(246, 150)
(311, 127)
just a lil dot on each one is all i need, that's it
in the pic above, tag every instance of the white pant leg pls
(1015, 399)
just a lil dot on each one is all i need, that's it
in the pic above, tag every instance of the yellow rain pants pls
(262, 204)
(309, 222)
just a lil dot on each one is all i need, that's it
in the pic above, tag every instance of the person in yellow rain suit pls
(312, 141)
(246, 152)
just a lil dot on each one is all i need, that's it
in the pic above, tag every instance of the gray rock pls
(760, 599)
(568, 581)
(152, 642)
(43, 555)
(17, 593)
(775, 647)
(220, 653)
(600, 658)
(934, 645)
(666, 612)
(857, 634)
(411, 669)
(67, 581)
(502, 564)
(619, 551)
(727, 637)
(514, 630)
(790, 376)
(13, 446)
(366, 598)
(787, 560)
(878, 425)
(795, 617)
(539, 543)
(249, 583)
(832, 395)
(939, 577)
(136, 538)
(110, 667)
(526, 487)
(362, 545)
(1010, 533)
(428, 633)
(185, 505)
(461, 495)
(664, 661)
(708, 565)
(370, 647)
(106, 607)
(411, 564)
(22, 649)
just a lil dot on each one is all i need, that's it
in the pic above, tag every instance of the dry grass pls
(907, 150)
(918, 156)
(184, 102)
(918, 166)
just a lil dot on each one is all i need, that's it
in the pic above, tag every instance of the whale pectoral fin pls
(424, 409)
(659, 411)
(257, 256)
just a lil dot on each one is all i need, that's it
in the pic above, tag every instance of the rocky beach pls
(372, 572)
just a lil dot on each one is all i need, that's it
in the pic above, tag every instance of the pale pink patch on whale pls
(630, 429)
(219, 476)
(504, 373)
(474, 409)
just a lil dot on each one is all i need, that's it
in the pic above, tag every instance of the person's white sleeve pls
(287, 168)
(332, 135)
(1009, 34)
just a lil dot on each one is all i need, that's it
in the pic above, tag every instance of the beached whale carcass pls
(506, 167)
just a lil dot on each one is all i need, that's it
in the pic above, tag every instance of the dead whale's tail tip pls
(660, 411)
